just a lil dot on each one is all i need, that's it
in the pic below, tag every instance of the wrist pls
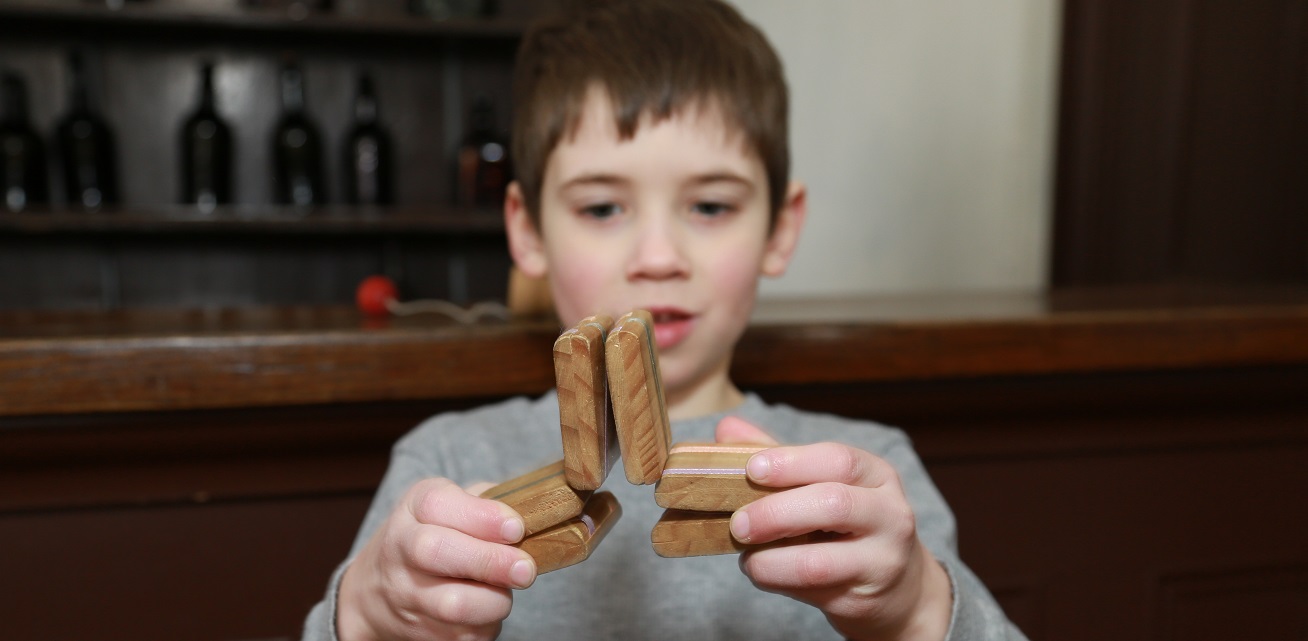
(930, 619)
(925, 618)
(350, 623)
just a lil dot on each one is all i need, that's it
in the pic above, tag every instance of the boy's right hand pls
(440, 567)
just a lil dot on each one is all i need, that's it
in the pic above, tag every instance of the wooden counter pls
(60, 363)
(198, 474)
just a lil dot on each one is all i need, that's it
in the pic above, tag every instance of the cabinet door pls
(1183, 149)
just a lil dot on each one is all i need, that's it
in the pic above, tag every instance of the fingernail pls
(523, 574)
(758, 467)
(740, 526)
(512, 530)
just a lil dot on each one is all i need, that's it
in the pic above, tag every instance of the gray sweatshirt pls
(624, 590)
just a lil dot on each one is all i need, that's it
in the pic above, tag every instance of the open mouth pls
(671, 325)
(662, 316)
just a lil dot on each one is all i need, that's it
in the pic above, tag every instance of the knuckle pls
(845, 463)
(433, 498)
(468, 610)
(906, 530)
(455, 606)
(814, 567)
(837, 502)
(428, 545)
(489, 564)
(765, 516)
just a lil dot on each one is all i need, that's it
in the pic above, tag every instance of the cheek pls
(735, 275)
(577, 287)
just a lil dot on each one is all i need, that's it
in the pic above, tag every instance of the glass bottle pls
(22, 156)
(206, 151)
(368, 171)
(86, 147)
(483, 167)
(297, 147)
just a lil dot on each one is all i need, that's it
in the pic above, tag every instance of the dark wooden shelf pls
(255, 219)
(154, 360)
(177, 20)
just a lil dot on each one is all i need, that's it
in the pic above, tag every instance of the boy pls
(651, 144)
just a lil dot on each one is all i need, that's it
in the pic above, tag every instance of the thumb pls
(734, 429)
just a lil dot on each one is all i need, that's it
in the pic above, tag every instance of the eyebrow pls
(594, 179)
(618, 180)
(723, 176)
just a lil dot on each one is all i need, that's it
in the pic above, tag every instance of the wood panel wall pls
(1182, 143)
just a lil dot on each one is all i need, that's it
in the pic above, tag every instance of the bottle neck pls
(365, 103)
(483, 120)
(206, 89)
(292, 90)
(79, 100)
(13, 109)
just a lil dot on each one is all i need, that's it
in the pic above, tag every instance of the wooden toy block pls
(590, 443)
(543, 498)
(708, 477)
(682, 533)
(644, 432)
(573, 541)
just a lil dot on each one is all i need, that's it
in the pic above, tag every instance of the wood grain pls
(572, 542)
(543, 497)
(155, 360)
(636, 387)
(590, 443)
(683, 533)
(709, 477)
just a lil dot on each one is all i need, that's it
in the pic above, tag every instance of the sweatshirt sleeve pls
(406, 468)
(976, 615)
(320, 625)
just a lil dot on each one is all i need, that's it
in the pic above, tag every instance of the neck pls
(710, 394)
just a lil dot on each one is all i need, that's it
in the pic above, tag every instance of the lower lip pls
(669, 334)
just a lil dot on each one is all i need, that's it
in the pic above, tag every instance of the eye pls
(711, 209)
(602, 211)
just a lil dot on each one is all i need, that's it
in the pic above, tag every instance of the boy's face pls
(674, 220)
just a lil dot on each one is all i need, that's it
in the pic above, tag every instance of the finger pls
(465, 603)
(443, 552)
(441, 502)
(804, 568)
(734, 429)
(823, 507)
(477, 489)
(818, 463)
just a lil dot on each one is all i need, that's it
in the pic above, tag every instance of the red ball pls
(373, 294)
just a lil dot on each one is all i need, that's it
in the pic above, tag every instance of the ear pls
(785, 230)
(525, 244)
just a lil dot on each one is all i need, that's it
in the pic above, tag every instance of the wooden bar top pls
(84, 362)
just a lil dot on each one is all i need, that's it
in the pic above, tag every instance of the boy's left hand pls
(873, 578)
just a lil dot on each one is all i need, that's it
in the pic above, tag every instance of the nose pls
(658, 250)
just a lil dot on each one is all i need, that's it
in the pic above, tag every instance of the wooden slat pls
(709, 477)
(542, 498)
(636, 388)
(590, 444)
(572, 542)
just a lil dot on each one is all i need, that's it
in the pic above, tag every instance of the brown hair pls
(655, 57)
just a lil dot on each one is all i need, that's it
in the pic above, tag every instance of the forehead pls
(695, 139)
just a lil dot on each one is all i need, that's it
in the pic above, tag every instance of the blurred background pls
(1011, 145)
(1062, 243)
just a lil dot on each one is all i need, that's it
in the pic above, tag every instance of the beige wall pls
(924, 131)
